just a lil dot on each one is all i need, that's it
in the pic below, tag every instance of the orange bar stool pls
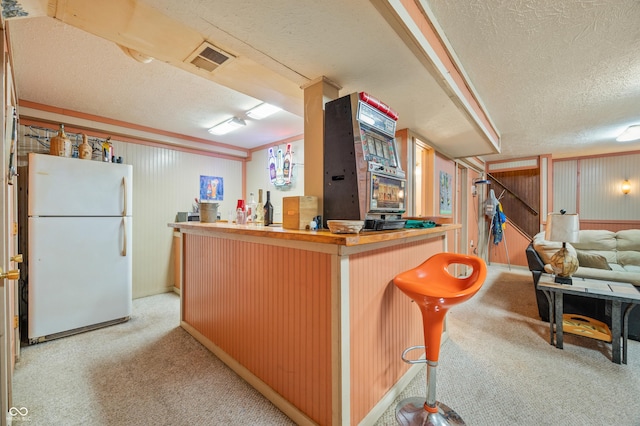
(435, 290)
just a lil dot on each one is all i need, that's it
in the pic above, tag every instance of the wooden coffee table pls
(617, 293)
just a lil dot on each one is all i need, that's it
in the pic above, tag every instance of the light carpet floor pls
(497, 368)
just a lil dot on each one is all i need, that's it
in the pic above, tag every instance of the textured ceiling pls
(558, 77)
(555, 76)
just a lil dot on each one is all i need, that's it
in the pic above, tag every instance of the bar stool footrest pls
(413, 361)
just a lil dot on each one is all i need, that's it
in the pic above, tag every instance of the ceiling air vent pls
(208, 57)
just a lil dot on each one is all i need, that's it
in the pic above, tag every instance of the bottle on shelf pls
(286, 168)
(107, 150)
(60, 144)
(85, 152)
(259, 216)
(268, 210)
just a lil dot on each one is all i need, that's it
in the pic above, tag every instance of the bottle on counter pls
(251, 210)
(240, 213)
(268, 210)
(259, 217)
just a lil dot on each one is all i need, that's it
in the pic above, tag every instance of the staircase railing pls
(522, 215)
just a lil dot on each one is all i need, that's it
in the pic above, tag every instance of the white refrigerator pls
(79, 245)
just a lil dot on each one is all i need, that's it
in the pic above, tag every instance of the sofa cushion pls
(628, 239)
(614, 275)
(546, 249)
(617, 268)
(628, 258)
(591, 260)
(633, 269)
(597, 239)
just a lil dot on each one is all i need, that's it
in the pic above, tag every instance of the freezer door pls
(60, 186)
(79, 272)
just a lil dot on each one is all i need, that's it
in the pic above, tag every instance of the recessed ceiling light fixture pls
(227, 126)
(263, 110)
(631, 134)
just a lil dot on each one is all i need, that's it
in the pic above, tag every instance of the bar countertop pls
(321, 236)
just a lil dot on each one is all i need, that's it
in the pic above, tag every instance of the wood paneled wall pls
(261, 324)
(521, 199)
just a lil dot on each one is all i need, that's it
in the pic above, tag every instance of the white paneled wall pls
(600, 183)
(597, 182)
(565, 187)
(165, 181)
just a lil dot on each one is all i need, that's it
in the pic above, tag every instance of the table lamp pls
(564, 228)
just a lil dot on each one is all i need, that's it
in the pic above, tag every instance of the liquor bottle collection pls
(255, 213)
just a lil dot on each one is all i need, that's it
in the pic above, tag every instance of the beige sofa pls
(604, 255)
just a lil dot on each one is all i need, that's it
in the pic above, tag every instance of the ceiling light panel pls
(227, 126)
(631, 134)
(262, 111)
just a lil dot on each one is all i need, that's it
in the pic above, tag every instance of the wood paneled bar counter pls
(311, 319)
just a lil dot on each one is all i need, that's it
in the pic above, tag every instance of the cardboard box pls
(297, 212)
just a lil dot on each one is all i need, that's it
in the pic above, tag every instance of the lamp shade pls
(562, 227)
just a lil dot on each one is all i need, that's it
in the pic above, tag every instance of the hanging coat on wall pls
(499, 223)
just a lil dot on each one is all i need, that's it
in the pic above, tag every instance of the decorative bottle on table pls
(85, 152)
(259, 219)
(268, 210)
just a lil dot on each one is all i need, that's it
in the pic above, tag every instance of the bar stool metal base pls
(411, 412)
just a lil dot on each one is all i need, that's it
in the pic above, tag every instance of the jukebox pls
(363, 178)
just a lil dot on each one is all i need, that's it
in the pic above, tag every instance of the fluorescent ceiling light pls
(227, 126)
(631, 134)
(263, 110)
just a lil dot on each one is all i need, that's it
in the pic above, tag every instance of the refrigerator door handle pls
(124, 240)
(124, 184)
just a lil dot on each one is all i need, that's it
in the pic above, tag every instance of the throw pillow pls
(590, 260)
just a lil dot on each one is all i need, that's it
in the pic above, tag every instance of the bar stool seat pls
(435, 290)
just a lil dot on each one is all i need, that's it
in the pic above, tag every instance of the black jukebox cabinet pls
(363, 179)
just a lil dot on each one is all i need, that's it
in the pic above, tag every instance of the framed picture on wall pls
(446, 193)
(211, 188)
